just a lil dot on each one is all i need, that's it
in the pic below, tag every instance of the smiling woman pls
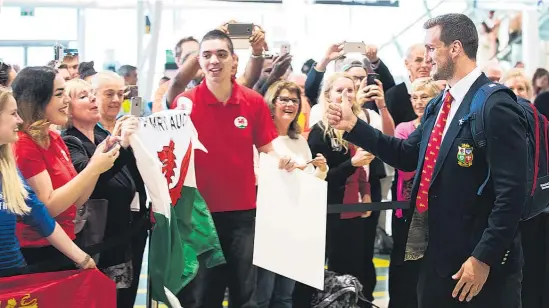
(44, 160)
(109, 89)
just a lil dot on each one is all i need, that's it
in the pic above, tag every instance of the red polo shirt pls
(31, 160)
(225, 175)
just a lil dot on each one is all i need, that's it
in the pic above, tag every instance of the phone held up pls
(136, 107)
(371, 79)
(240, 34)
(285, 49)
(354, 47)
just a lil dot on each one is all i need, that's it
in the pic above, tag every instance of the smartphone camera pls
(371, 79)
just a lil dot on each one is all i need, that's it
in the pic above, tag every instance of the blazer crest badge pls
(465, 155)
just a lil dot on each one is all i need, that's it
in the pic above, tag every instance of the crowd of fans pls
(64, 138)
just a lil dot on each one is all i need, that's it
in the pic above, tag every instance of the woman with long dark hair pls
(17, 200)
(44, 160)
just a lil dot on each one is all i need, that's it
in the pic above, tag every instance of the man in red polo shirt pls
(230, 120)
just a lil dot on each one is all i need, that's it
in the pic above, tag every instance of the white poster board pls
(290, 231)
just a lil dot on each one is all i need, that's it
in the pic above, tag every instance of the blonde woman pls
(44, 160)
(17, 200)
(350, 236)
(118, 185)
(516, 80)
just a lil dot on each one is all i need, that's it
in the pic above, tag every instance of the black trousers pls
(500, 291)
(353, 252)
(125, 298)
(403, 284)
(236, 232)
(535, 246)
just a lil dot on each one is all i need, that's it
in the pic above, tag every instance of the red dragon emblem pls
(169, 164)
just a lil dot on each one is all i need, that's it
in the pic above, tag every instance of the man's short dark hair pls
(178, 50)
(456, 27)
(126, 70)
(219, 35)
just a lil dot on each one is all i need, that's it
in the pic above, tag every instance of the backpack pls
(537, 140)
(340, 291)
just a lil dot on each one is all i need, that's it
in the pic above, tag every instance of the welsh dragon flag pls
(183, 230)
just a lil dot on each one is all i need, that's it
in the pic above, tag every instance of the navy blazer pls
(461, 223)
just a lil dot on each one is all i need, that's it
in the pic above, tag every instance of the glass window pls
(46, 24)
(37, 56)
(13, 55)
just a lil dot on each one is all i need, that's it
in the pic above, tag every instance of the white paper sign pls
(290, 231)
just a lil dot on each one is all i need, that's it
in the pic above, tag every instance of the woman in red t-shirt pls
(44, 160)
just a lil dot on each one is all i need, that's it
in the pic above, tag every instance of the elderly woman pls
(44, 160)
(516, 80)
(117, 185)
(403, 276)
(109, 90)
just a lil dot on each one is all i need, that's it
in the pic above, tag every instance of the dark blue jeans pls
(273, 290)
(236, 232)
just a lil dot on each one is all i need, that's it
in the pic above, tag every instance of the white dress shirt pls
(458, 92)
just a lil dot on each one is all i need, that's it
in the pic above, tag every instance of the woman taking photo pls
(44, 160)
(284, 101)
(19, 201)
(117, 186)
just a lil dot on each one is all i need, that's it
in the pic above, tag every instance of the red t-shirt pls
(31, 160)
(225, 175)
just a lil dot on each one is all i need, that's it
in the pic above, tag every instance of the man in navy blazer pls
(473, 255)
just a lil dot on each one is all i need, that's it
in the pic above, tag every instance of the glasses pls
(286, 100)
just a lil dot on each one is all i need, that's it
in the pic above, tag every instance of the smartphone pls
(240, 30)
(57, 51)
(107, 149)
(284, 49)
(354, 47)
(136, 107)
(371, 79)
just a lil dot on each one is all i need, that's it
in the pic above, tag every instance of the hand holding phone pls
(105, 155)
(240, 30)
(354, 47)
(111, 142)
(371, 79)
(136, 107)
(285, 49)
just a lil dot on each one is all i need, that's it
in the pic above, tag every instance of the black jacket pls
(339, 163)
(462, 224)
(117, 185)
(399, 104)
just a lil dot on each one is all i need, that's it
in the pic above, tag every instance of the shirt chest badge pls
(465, 155)
(241, 122)
(65, 156)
